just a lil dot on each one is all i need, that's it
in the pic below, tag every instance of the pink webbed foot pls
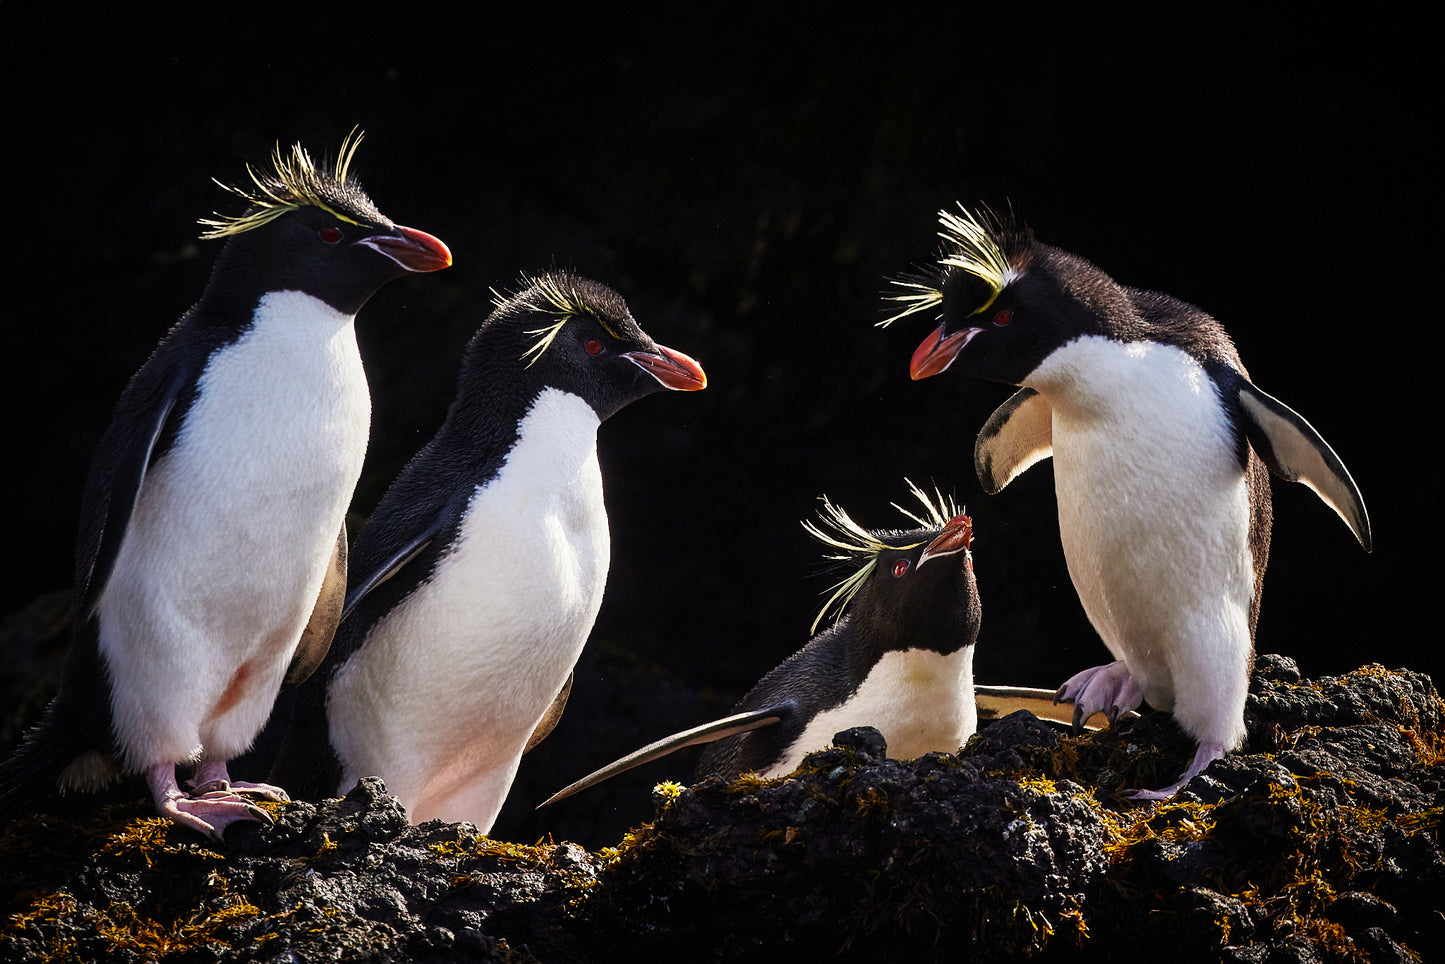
(209, 813)
(212, 777)
(1100, 689)
(1205, 755)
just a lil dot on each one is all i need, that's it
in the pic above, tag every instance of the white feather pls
(919, 699)
(441, 697)
(228, 545)
(1154, 519)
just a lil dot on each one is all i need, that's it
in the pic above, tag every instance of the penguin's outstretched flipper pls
(1295, 452)
(996, 702)
(1018, 434)
(706, 733)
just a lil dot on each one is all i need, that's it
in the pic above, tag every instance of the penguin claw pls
(264, 791)
(1108, 689)
(213, 777)
(212, 814)
(1205, 755)
(211, 807)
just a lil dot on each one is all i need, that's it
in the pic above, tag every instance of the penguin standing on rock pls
(899, 657)
(1160, 444)
(211, 558)
(476, 581)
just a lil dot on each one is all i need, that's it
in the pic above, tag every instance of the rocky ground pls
(1320, 841)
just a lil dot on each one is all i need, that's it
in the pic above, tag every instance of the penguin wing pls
(549, 719)
(706, 733)
(1019, 433)
(321, 627)
(407, 548)
(996, 702)
(113, 492)
(1294, 451)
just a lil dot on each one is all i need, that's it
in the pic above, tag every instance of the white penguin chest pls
(463, 668)
(253, 491)
(227, 546)
(1153, 504)
(920, 700)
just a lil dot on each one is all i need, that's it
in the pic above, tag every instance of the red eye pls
(593, 346)
(331, 235)
(1003, 317)
(900, 567)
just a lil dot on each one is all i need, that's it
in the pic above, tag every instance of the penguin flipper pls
(1294, 451)
(1019, 433)
(549, 719)
(390, 566)
(706, 733)
(111, 497)
(996, 702)
(321, 627)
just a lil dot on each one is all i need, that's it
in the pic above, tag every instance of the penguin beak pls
(955, 537)
(671, 368)
(938, 351)
(412, 249)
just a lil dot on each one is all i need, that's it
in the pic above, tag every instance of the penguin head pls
(315, 230)
(1005, 301)
(906, 589)
(570, 333)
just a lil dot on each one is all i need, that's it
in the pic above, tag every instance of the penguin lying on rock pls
(1160, 444)
(476, 581)
(211, 558)
(898, 658)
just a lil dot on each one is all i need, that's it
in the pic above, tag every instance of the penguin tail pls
(52, 758)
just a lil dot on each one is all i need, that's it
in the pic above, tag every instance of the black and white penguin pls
(476, 581)
(211, 555)
(1160, 443)
(898, 658)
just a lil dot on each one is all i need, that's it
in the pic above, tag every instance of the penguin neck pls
(492, 400)
(942, 615)
(1096, 378)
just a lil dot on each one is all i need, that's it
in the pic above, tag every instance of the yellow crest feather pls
(294, 182)
(972, 244)
(837, 530)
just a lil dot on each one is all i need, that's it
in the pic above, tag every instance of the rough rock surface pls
(1320, 841)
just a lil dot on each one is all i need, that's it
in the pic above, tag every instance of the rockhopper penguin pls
(476, 581)
(211, 555)
(1160, 443)
(899, 657)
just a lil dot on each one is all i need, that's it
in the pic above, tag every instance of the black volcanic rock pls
(1319, 841)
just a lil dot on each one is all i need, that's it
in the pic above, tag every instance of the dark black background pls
(748, 180)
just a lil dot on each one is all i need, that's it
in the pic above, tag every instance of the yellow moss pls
(124, 929)
(872, 799)
(1038, 784)
(750, 782)
(668, 790)
(45, 912)
(139, 839)
(1420, 820)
